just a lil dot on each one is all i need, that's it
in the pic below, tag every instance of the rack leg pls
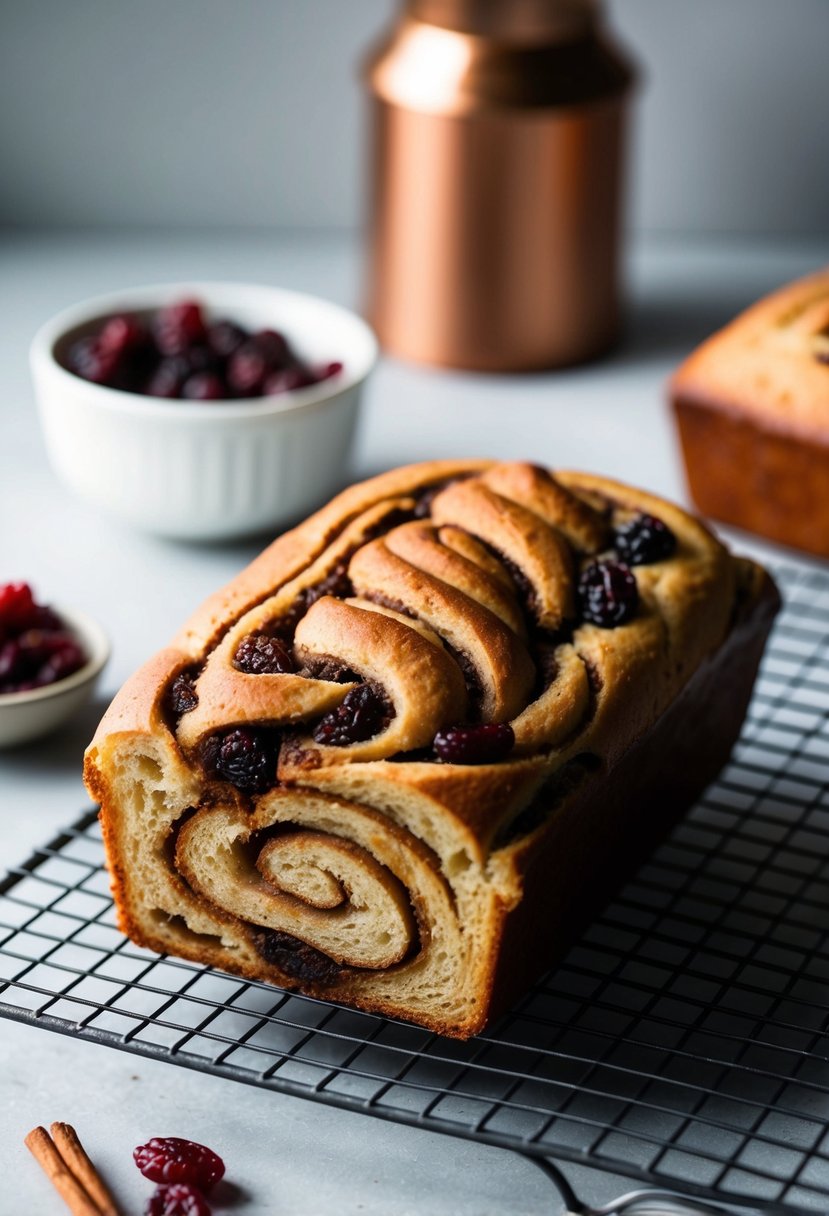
(634, 1203)
(566, 1193)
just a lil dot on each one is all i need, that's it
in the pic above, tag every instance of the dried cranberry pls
(89, 361)
(273, 347)
(247, 370)
(224, 338)
(178, 327)
(287, 380)
(17, 606)
(38, 644)
(644, 539)
(203, 386)
(180, 1199)
(202, 359)
(35, 647)
(38, 657)
(168, 377)
(483, 744)
(328, 370)
(257, 654)
(64, 657)
(135, 367)
(170, 1159)
(245, 757)
(182, 697)
(121, 333)
(11, 665)
(362, 713)
(607, 594)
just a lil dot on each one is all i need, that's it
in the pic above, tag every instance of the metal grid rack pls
(684, 1041)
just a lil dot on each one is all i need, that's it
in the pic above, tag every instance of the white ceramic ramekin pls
(28, 715)
(206, 470)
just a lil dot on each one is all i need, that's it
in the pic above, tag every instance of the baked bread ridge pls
(752, 408)
(366, 872)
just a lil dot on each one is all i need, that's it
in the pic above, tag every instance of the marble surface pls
(287, 1155)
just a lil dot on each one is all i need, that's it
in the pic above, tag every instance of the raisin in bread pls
(401, 758)
(752, 406)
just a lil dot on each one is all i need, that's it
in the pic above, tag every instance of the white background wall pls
(249, 112)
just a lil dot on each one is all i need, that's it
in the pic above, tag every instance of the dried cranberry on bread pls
(752, 406)
(401, 758)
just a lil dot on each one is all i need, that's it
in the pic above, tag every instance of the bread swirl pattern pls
(338, 774)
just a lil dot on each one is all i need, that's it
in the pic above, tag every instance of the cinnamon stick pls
(67, 1166)
(74, 1154)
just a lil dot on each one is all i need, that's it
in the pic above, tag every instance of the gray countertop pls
(287, 1155)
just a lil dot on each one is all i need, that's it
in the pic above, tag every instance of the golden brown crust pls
(769, 363)
(752, 408)
(370, 872)
(289, 554)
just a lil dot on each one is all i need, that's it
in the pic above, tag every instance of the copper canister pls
(495, 198)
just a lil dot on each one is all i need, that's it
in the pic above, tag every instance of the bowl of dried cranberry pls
(202, 410)
(50, 661)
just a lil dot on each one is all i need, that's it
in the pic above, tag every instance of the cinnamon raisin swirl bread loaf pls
(405, 753)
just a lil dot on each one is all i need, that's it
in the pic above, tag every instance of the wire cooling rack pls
(683, 1042)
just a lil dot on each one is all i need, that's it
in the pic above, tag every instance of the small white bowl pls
(28, 715)
(206, 470)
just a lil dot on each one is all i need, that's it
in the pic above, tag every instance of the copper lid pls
(519, 20)
(432, 68)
